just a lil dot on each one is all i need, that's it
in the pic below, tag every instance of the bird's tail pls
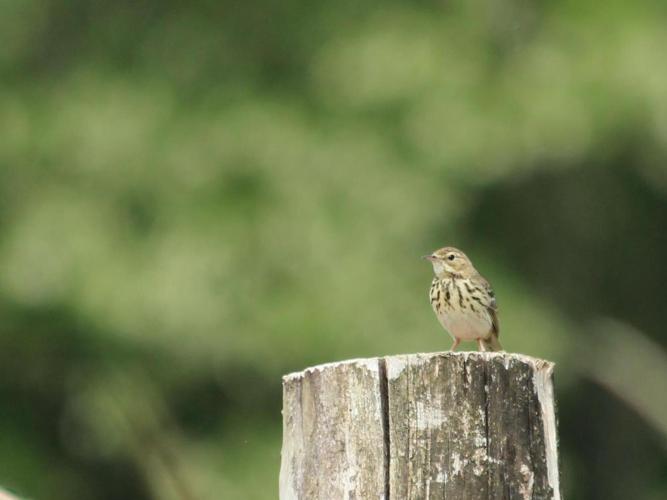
(491, 343)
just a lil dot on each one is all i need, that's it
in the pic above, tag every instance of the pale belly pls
(466, 326)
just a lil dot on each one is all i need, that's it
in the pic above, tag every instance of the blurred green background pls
(196, 198)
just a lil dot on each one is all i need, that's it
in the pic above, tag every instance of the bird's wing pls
(494, 321)
(491, 303)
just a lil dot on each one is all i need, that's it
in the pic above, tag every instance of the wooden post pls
(444, 425)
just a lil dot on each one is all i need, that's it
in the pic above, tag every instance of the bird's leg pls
(455, 344)
(480, 344)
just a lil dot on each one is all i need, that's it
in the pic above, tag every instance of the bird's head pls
(449, 261)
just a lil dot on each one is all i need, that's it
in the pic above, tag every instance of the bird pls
(463, 300)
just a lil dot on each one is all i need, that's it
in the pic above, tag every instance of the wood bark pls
(442, 425)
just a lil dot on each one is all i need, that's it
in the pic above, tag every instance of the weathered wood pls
(333, 432)
(444, 425)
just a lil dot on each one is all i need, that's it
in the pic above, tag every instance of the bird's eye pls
(451, 256)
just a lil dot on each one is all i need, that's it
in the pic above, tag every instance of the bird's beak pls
(429, 257)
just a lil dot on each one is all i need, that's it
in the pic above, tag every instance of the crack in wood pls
(386, 436)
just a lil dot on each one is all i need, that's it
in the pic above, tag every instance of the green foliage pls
(196, 199)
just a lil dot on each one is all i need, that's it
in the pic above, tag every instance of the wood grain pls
(440, 425)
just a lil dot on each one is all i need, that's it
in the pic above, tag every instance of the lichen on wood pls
(441, 425)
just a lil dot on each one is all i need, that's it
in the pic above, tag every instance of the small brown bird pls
(463, 300)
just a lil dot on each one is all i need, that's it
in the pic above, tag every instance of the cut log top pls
(400, 361)
(440, 425)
